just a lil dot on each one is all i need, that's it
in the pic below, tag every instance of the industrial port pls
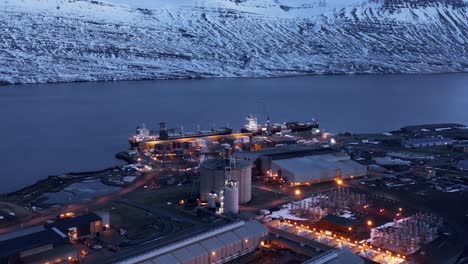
(269, 193)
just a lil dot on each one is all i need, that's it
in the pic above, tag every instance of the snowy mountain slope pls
(80, 40)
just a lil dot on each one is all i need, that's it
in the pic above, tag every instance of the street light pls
(297, 192)
(369, 223)
(339, 181)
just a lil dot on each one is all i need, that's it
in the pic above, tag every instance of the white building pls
(219, 245)
(317, 168)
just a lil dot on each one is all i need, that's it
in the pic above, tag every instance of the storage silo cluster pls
(213, 178)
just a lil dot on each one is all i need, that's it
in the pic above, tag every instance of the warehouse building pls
(316, 168)
(216, 246)
(78, 226)
(266, 161)
(427, 142)
(336, 256)
(29, 243)
(62, 254)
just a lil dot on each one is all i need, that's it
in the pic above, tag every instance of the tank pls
(212, 178)
(231, 198)
(212, 200)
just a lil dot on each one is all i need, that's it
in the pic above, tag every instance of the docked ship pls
(144, 135)
(269, 128)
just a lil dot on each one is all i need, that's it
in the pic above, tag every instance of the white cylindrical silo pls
(242, 174)
(212, 200)
(231, 198)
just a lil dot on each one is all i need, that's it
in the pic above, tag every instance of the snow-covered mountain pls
(77, 40)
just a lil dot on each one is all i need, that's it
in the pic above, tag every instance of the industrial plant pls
(276, 193)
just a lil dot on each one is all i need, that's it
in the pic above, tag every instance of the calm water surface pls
(50, 129)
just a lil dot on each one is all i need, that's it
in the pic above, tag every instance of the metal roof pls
(243, 232)
(182, 243)
(76, 221)
(212, 244)
(336, 257)
(21, 232)
(182, 254)
(255, 228)
(166, 259)
(30, 241)
(46, 256)
(196, 250)
(229, 238)
(323, 167)
(202, 244)
(146, 262)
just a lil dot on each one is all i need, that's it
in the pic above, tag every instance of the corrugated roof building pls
(29, 242)
(216, 246)
(165, 259)
(84, 225)
(317, 168)
(336, 257)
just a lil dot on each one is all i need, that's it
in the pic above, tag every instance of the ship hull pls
(227, 131)
(290, 127)
(133, 144)
(301, 128)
